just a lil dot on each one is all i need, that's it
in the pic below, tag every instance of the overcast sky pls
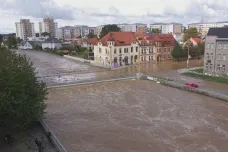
(97, 12)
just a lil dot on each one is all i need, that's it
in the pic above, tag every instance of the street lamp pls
(189, 45)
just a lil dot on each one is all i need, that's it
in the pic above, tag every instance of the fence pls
(52, 137)
(196, 90)
(85, 82)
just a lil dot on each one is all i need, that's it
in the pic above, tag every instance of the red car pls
(191, 85)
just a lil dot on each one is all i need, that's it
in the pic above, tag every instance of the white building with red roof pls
(124, 48)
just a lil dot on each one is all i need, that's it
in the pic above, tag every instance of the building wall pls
(51, 45)
(133, 52)
(221, 62)
(210, 54)
(203, 28)
(25, 29)
(48, 25)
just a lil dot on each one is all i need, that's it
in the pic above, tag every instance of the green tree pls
(191, 33)
(11, 42)
(109, 28)
(1, 38)
(45, 34)
(91, 35)
(70, 48)
(22, 95)
(156, 31)
(178, 52)
(225, 26)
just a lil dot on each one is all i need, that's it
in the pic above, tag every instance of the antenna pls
(202, 20)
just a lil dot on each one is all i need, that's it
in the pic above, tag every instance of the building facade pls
(216, 52)
(168, 28)
(137, 27)
(48, 25)
(25, 29)
(73, 32)
(203, 28)
(124, 48)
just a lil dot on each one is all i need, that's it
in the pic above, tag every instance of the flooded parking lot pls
(133, 116)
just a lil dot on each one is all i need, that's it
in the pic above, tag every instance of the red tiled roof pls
(151, 38)
(197, 40)
(93, 40)
(126, 38)
(120, 38)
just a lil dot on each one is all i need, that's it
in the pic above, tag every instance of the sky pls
(99, 12)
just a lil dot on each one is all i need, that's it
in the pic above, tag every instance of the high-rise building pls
(25, 29)
(48, 25)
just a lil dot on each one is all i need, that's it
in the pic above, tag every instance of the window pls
(131, 49)
(223, 68)
(141, 58)
(120, 51)
(99, 50)
(165, 49)
(220, 46)
(225, 46)
(142, 51)
(114, 51)
(136, 49)
(208, 46)
(106, 51)
(224, 57)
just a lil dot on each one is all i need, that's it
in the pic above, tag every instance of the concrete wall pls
(76, 58)
(52, 137)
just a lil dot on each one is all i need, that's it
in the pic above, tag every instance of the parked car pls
(191, 85)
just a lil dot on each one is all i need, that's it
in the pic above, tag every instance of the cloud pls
(92, 13)
(40, 8)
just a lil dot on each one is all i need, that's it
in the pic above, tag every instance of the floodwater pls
(48, 66)
(136, 116)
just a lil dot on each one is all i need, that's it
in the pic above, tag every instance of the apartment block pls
(137, 27)
(216, 52)
(48, 25)
(123, 48)
(25, 29)
(168, 28)
(203, 28)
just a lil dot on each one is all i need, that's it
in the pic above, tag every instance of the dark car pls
(191, 85)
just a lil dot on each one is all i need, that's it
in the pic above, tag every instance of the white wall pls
(51, 45)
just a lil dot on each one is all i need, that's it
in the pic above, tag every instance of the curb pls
(52, 137)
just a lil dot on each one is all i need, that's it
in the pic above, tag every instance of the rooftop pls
(219, 32)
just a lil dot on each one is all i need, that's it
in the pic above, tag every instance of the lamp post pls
(188, 44)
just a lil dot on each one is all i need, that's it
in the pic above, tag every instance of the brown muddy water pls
(136, 116)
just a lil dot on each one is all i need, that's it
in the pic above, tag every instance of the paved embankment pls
(202, 91)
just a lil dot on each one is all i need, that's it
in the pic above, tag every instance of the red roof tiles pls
(93, 40)
(197, 40)
(126, 38)
(120, 38)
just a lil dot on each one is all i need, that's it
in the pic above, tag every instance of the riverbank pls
(223, 80)
(198, 73)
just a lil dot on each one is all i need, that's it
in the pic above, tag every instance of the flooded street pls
(49, 65)
(137, 116)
